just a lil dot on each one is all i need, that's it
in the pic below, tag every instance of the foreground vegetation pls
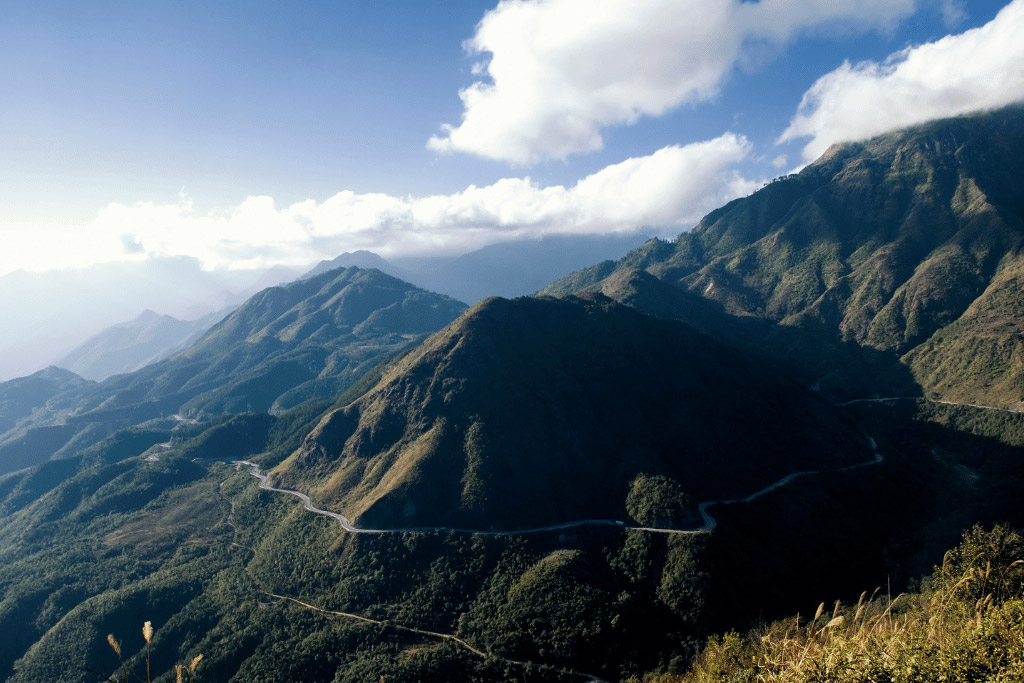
(91, 545)
(965, 623)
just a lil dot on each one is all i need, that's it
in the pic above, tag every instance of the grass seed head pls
(114, 645)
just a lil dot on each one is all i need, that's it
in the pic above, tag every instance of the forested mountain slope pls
(531, 412)
(909, 244)
(745, 491)
(286, 345)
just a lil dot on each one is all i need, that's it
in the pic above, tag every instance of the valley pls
(348, 478)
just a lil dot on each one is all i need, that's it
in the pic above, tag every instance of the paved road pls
(590, 678)
(702, 508)
(709, 524)
(930, 400)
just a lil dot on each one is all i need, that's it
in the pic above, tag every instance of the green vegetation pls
(287, 346)
(907, 245)
(535, 412)
(19, 397)
(658, 501)
(592, 396)
(964, 624)
(89, 544)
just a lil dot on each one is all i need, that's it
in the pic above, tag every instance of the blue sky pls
(252, 133)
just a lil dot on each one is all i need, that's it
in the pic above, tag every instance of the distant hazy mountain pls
(136, 343)
(359, 259)
(514, 269)
(508, 269)
(46, 315)
(910, 244)
(539, 411)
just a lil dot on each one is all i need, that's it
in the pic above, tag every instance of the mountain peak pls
(360, 259)
(906, 241)
(537, 411)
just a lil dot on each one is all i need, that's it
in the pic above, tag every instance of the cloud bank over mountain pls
(978, 69)
(554, 73)
(666, 191)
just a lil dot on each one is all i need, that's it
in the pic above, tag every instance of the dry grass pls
(966, 625)
(182, 673)
(186, 516)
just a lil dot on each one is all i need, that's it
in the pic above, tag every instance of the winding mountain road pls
(889, 399)
(709, 524)
(709, 521)
(589, 678)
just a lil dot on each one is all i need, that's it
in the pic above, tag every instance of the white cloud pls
(952, 12)
(979, 69)
(668, 191)
(561, 70)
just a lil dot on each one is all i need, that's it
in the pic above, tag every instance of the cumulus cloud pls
(979, 69)
(558, 71)
(666, 191)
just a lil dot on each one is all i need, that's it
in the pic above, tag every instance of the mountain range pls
(308, 340)
(506, 269)
(92, 335)
(47, 315)
(136, 343)
(531, 412)
(811, 394)
(909, 244)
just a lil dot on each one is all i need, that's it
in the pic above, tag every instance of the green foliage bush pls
(658, 501)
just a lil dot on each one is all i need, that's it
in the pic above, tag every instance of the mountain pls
(841, 370)
(360, 259)
(134, 344)
(20, 397)
(909, 244)
(47, 315)
(690, 391)
(507, 269)
(307, 340)
(154, 522)
(511, 269)
(533, 412)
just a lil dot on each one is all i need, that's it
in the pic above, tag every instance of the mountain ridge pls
(305, 341)
(596, 383)
(134, 344)
(884, 243)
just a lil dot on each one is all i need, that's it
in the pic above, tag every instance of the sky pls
(257, 133)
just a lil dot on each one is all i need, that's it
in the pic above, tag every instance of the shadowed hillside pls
(539, 411)
(909, 244)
